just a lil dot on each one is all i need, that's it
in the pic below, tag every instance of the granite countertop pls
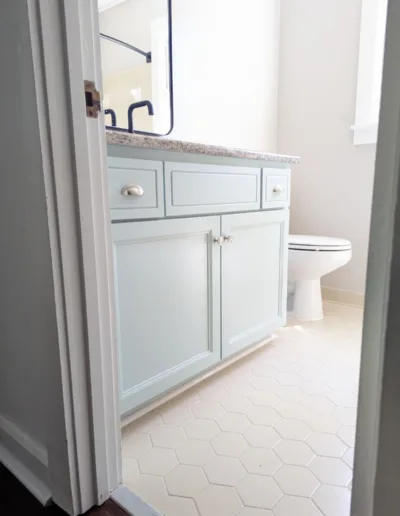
(150, 142)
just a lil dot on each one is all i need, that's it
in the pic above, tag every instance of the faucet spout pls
(136, 105)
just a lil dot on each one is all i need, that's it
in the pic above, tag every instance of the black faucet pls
(113, 116)
(136, 105)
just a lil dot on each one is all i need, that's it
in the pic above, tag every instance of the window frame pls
(365, 128)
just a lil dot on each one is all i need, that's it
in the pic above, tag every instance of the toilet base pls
(307, 303)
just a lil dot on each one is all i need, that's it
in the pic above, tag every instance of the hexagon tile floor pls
(272, 435)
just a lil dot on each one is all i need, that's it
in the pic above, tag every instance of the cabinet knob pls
(132, 190)
(228, 239)
(219, 240)
(278, 189)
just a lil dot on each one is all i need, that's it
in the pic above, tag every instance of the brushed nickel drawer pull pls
(132, 190)
(278, 189)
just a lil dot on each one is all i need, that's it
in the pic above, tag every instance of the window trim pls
(365, 128)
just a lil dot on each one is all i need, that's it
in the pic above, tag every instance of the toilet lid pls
(318, 243)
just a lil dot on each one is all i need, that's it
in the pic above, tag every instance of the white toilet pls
(310, 258)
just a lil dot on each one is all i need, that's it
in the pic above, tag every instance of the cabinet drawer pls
(146, 181)
(192, 189)
(276, 188)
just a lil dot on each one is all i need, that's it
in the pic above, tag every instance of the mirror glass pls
(136, 65)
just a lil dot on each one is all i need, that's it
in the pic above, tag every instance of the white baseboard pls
(25, 458)
(130, 418)
(344, 297)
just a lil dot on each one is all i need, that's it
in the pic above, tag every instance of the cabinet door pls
(254, 277)
(167, 276)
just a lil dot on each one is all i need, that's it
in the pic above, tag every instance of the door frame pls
(66, 51)
(377, 454)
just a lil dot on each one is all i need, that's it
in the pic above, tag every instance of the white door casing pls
(85, 420)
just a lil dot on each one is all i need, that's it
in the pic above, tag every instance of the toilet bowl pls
(310, 258)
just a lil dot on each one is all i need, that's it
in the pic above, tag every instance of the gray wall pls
(332, 186)
(27, 313)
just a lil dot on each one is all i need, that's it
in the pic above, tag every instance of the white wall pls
(332, 187)
(225, 58)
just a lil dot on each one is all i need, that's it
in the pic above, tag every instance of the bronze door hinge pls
(93, 101)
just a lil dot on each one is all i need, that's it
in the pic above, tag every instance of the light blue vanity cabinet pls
(167, 275)
(254, 277)
(204, 275)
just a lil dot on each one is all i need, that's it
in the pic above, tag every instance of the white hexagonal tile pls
(289, 379)
(344, 398)
(239, 387)
(289, 392)
(175, 414)
(296, 480)
(251, 511)
(136, 445)
(327, 445)
(261, 383)
(225, 471)
(348, 435)
(331, 471)
(185, 481)
(207, 409)
(204, 429)
(333, 500)
(317, 388)
(157, 461)
(240, 370)
(292, 410)
(233, 422)
(293, 429)
(188, 398)
(238, 404)
(259, 491)
(261, 436)
(285, 366)
(149, 488)
(229, 444)
(194, 452)
(312, 373)
(167, 436)
(130, 469)
(220, 500)
(264, 398)
(296, 506)
(318, 404)
(212, 392)
(263, 416)
(348, 457)
(261, 368)
(296, 453)
(260, 461)
(177, 506)
(346, 415)
(322, 423)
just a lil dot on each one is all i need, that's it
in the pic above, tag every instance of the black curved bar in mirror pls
(136, 60)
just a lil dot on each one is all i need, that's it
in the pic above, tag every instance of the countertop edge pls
(166, 144)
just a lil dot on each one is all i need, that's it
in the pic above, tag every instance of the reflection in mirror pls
(136, 65)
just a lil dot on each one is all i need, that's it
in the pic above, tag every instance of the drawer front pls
(145, 180)
(192, 189)
(276, 188)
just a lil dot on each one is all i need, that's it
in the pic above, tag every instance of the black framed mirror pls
(136, 60)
